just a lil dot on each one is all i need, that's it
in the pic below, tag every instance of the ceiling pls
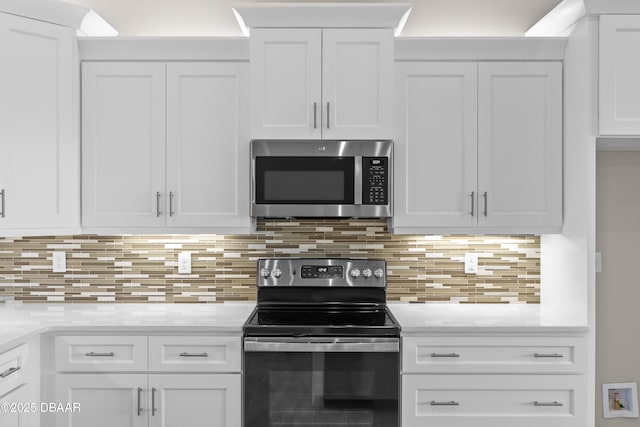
(215, 17)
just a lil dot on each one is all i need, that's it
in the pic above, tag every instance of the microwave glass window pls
(304, 185)
(305, 180)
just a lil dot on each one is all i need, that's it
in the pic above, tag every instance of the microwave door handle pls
(357, 173)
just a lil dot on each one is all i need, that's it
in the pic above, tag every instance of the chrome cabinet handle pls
(445, 355)
(328, 116)
(449, 403)
(194, 355)
(473, 202)
(558, 355)
(554, 403)
(139, 407)
(2, 207)
(10, 371)
(485, 203)
(153, 402)
(158, 203)
(92, 354)
(315, 115)
(170, 203)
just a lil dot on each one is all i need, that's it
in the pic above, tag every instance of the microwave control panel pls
(375, 180)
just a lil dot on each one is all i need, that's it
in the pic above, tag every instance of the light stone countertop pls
(499, 318)
(19, 322)
(22, 321)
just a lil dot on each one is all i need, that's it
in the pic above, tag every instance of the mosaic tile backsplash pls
(144, 268)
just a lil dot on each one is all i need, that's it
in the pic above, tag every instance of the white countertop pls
(421, 318)
(20, 321)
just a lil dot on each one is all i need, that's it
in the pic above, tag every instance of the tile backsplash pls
(144, 268)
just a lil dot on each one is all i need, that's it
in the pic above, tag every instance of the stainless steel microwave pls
(313, 178)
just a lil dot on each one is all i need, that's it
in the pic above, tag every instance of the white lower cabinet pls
(494, 381)
(162, 381)
(20, 385)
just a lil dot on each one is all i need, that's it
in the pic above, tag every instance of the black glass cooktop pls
(310, 322)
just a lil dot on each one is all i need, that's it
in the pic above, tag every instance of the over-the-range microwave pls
(317, 178)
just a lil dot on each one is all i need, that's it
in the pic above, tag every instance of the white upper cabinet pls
(165, 146)
(436, 148)
(123, 144)
(207, 145)
(39, 165)
(520, 145)
(619, 98)
(321, 83)
(479, 147)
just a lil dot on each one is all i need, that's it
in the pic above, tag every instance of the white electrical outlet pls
(184, 263)
(59, 262)
(471, 263)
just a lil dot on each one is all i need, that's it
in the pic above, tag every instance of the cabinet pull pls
(194, 355)
(315, 115)
(158, 203)
(9, 371)
(445, 355)
(473, 202)
(153, 402)
(92, 354)
(2, 207)
(170, 203)
(558, 355)
(139, 407)
(485, 203)
(328, 116)
(554, 403)
(449, 403)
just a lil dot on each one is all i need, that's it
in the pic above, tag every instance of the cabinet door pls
(207, 145)
(619, 75)
(104, 400)
(195, 400)
(436, 145)
(286, 83)
(357, 84)
(520, 144)
(39, 161)
(123, 144)
(18, 409)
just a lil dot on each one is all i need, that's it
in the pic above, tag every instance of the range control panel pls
(321, 272)
(375, 182)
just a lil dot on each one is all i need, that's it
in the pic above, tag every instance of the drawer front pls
(195, 354)
(12, 368)
(100, 353)
(493, 400)
(494, 355)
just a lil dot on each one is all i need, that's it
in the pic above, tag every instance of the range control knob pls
(355, 273)
(366, 273)
(379, 273)
(265, 272)
(276, 273)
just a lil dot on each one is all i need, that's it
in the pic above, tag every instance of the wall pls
(617, 290)
(144, 268)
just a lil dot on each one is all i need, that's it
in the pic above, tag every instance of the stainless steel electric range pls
(321, 348)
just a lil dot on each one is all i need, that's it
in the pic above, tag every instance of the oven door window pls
(305, 180)
(321, 389)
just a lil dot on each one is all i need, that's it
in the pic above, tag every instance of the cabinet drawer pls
(12, 364)
(494, 400)
(100, 353)
(494, 355)
(195, 354)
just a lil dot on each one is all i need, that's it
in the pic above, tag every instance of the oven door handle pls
(322, 345)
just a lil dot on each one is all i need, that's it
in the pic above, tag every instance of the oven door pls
(321, 382)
